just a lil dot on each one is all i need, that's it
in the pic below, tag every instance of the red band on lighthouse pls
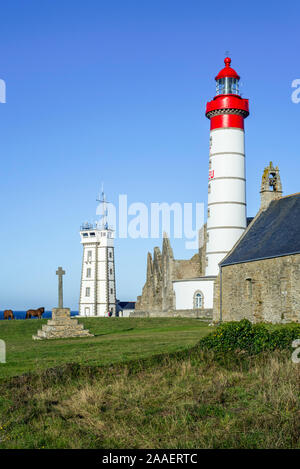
(227, 120)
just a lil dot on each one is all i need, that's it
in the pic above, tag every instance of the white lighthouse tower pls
(226, 217)
(98, 285)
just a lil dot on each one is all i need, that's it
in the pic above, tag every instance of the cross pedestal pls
(61, 313)
(61, 326)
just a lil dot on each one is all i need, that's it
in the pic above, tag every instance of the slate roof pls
(274, 233)
(121, 305)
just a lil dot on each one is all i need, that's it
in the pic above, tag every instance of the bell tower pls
(271, 188)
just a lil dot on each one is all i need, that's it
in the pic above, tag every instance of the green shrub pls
(253, 338)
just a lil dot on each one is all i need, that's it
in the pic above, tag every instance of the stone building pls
(260, 278)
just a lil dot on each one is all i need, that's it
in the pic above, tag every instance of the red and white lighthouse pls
(226, 217)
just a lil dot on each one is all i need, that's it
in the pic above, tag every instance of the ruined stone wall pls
(189, 268)
(261, 291)
(162, 269)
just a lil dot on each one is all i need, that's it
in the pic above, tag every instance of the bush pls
(252, 338)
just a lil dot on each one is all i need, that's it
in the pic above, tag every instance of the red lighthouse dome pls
(227, 71)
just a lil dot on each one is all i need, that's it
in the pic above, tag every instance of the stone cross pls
(60, 272)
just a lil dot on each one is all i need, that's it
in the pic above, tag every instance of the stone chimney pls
(271, 188)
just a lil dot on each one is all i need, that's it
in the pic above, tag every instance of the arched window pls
(198, 300)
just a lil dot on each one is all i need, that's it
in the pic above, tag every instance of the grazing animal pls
(8, 314)
(33, 313)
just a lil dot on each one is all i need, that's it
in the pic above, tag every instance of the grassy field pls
(116, 340)
(182, 398)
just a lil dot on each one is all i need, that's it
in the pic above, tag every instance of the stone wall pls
(162, 269)
(203, 314)
(266, 290)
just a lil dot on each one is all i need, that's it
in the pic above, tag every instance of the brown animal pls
(33, 313)
(8, 314)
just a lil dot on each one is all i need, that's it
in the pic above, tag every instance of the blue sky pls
(115, 91)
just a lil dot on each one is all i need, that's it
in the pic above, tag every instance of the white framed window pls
(88, 273)
(87, 291)
(89, 256)
(198, 300)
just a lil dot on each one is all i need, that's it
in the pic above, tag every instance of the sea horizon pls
(22, 314)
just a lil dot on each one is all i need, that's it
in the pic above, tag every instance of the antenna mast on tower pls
(104, 213)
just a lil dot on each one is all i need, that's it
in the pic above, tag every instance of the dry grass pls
(189, 403)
